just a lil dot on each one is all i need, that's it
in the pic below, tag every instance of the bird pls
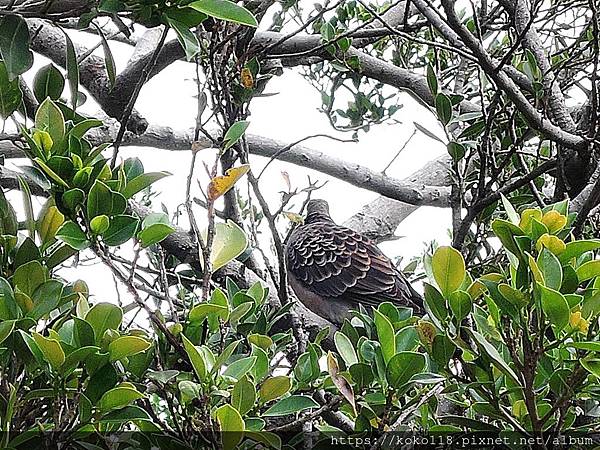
(332, 269)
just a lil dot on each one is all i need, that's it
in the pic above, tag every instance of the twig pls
(136, 296)
(333, 403)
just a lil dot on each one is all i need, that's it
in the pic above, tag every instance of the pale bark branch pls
(413, 192)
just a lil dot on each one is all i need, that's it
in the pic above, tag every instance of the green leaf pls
(162, 376)
(403, 366)
(120, 230)
(427, 132)
(59, 255)
(456, 151)
(195, 358)
(345, 348)
(460, 304)
(241, 367)
(126, 346)
(29, 276)
(8, 217)
(8, 306)
(99, 224)
(46, 298)
(102, 317)
(187, 39)
(290, 405)
(49, 118)
(555, 306)
(48, 82)
(10, 93)
(260, 340)
(26, 252)
(73, 198)
(154, 233)
(203, 310)
(6, 328)
(386, 335)
(99, 201)
(109, 61)
(443, 106)
(51, 349)
(118, 397)
(142, 182)
(448, 268)
(72, 71)
(274, 387)
(506, 232)
(362, 374)
(231, 426)
(224, 356)
(83, 127)
(48, 171)
(551, 269)
(76, 357)
(588, 270)
(592, 366)
(494, 355)
(186, 16)
(14, 45)
(188, 390)
(128, 414)
(225, 10)
(235, 132)
(432, 80)
(267, 438)
(261, 366)
(243, 396)
(442, 349)
(592, 346)
(510, 210)
(72, 235)
(229, 242)
(575, 249)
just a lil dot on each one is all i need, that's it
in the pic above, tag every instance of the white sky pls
(288, 116)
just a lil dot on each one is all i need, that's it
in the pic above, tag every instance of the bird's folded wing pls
(335, 261)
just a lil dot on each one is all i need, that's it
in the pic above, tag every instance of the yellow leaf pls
(526, 218)
(246, 78)
(426, 333)
(51, 350)
(293, 217)
(24, 301)
(43, 140)
(221, 184)
(49, 222)
(340, 382)
(554, 221)
(552, 243)
(537, 273)
(578, 323)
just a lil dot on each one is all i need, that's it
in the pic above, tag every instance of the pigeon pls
(333, 269)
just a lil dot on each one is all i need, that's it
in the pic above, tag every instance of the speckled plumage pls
(332, 268)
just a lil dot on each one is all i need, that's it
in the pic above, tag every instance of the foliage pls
(510, 335)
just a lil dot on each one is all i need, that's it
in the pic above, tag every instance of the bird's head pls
(317, 211)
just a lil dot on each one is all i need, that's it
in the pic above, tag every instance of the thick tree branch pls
(380, 218)
(412, 192)
(49, 41)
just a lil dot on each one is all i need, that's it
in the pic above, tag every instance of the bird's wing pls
(335, 261)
